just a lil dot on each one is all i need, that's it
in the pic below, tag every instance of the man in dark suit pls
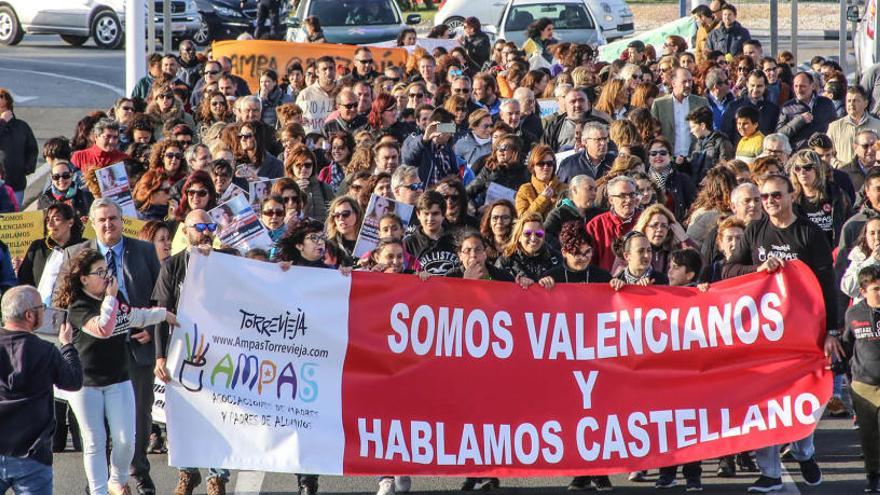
(805, 114)
(136, 266)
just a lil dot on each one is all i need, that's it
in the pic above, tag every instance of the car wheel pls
(106, 30)
(74, 40)
(203, 36)
(454, 22)
(10, 30)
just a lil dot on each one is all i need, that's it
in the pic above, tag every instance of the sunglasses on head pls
(202, 227)
(61, 176)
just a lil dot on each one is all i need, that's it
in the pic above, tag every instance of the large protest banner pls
(310, 371)
(19, 230)
(250, 56)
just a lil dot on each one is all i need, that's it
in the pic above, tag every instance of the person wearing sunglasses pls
(198, 193)
(300, 165)
(348, 120)
(199, 231)
(167, 157)
(272, 216)
(164, 106)
(63, 189)
(527, 257)
(342, 226)
(503, 167)
(766, 245)
(251, 155)
(305, 244)
(816, 197)
(152, 195)
(677, 188)
(544, 189)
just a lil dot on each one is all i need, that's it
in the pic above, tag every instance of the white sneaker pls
(386, 486)
(402, 484)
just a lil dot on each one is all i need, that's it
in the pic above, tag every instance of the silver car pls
(354, 22)
(572, 21)
(78, 20)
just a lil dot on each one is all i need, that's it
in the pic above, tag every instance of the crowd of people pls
(681, 165)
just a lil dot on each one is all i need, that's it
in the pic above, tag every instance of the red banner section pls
(457, 377)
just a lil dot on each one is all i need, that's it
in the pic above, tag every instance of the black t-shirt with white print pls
(104, 361)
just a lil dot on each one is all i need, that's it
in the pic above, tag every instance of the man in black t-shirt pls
(767, 243)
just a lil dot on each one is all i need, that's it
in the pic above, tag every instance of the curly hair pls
(573, 236)
(715, 189)
(197, 177)
(204, 115)
(492, 160)
(296, 234)
(70, 286)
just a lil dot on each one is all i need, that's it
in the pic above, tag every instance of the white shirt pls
(680, 111)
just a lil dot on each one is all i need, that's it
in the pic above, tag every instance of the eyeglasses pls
(245, 136)
(659, 153)
(803, 168)
(39, 306)
(218, 103)
(416, 95)
(202, 227)
(211, 72)
(342, 214)
(316, 238)
(275, 212)
(173, 156)
(775, 152)
(101, 272)
(348, 106)
(546, 164)
(164, 96)
(776, 195)
(291, 199)
(742, 69)
(461, 91)
(127, 109)
(586, 253)
(461, 109)
(365, 62)
(61, 176)
(505, 147)
(304, 165)
(197, 192)
(415, 186)
(471, 251)
(533, 233)
(451, 197)
(625, 196)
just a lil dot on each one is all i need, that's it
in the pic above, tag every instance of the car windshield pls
(353, 12)
(562, 15)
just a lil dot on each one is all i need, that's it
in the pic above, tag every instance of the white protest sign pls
(378, 206)
(239, 226)
(113, 182)
(264, 392)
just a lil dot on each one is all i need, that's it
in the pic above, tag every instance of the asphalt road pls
(55, 84)
(836, 444)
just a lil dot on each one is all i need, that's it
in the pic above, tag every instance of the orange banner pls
(249, 57)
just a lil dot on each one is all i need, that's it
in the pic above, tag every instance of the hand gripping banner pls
(309, 371)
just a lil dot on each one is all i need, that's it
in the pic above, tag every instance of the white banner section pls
(257, 367)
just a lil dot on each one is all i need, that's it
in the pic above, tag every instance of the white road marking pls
(116, 90)
(249, 482)
(790, 487)
(21, 98)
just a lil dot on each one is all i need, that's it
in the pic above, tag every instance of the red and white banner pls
(310, 371)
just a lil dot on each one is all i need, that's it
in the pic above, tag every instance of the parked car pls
(355, 22)
(614, 16)
(572, 21)
(225, 19)
(78, 20)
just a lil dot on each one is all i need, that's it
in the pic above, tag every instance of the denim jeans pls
(769, 460)
(221, 473)
(91, 405)
(25, 476)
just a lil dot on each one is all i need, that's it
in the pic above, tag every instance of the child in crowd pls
(751, 144)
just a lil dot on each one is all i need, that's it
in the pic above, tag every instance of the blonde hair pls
(513, 246)
(581, 76)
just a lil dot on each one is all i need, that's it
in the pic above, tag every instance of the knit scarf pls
(660, 177)
(632, 279)
(63, 195)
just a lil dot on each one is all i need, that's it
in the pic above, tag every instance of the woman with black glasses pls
(63, 189)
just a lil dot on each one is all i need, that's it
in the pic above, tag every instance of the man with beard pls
(561, 130)
(199, 230)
